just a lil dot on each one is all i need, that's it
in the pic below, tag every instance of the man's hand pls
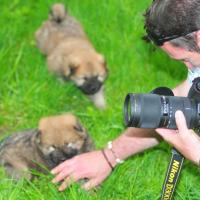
(91, 166)
(185, 140)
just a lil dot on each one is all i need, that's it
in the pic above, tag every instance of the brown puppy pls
(57, 138)
(70, 54)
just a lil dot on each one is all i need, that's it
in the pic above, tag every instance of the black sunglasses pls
(160, 40)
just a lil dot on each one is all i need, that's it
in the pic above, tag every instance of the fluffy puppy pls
(57, 138)
(70, 54)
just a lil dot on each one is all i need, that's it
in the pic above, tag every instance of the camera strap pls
(172, 175)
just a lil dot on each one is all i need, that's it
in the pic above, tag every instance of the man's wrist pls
(110, 157)
(107, 159)
(118, 160)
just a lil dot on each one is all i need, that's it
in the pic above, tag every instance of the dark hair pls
(174, 21)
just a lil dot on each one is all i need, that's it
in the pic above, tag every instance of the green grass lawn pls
(28, 92)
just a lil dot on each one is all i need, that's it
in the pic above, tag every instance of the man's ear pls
(198, 38)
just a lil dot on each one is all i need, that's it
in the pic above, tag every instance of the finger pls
(91, 184)
(61, 166)
(68, 181)
(181, 122)
(63, 174)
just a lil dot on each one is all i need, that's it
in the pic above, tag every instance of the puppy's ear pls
(80, 129)
(38, 137)
(74, 62)
(57, 64)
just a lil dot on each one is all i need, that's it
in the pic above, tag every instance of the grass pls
(28, 92)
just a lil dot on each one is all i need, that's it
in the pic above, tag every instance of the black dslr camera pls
(157, 109)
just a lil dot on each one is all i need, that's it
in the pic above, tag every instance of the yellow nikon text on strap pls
(172, 175)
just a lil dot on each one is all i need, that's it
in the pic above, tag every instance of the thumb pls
(166, 133)
(181, 122)
(91, 184)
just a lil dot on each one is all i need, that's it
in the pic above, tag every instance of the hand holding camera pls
(166, 113)
(173, 118)
(184, 140)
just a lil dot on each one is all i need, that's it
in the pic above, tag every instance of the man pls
(173, 25)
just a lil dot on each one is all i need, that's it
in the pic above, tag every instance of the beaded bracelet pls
(106, 158)
(118, 160)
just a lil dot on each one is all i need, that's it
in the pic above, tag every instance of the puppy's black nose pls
(71, 153)
(91, 86)
(58, 20)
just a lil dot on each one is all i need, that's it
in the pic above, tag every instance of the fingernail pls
(52, 171)
(60, 189)
(53, 181)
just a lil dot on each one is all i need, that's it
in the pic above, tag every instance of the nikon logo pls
(170, 181)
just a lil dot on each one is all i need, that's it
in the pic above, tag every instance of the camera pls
(157, 109)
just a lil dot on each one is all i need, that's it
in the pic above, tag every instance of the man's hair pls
(166, 18)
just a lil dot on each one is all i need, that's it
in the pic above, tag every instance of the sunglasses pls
(160, 40)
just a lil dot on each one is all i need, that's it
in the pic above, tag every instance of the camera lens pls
(153, 111)
(127, 111)
(142, 110)
(131, 112)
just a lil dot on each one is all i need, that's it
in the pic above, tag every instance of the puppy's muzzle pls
(59, 156)
(58, 20)
(91, 86)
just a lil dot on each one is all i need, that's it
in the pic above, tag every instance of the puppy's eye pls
(73, 70)
(78, 127)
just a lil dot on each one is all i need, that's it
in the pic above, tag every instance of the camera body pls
(157, 109)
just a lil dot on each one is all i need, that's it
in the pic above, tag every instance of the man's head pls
(188, 57)
(175, 21)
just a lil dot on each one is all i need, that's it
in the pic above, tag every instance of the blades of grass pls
(16, 64)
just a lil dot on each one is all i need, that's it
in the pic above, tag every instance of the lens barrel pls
(154, 111)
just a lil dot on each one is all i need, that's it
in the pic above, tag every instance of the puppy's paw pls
(98, 99)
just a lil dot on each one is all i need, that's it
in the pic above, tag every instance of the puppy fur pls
(71, 55)
(57, 138)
